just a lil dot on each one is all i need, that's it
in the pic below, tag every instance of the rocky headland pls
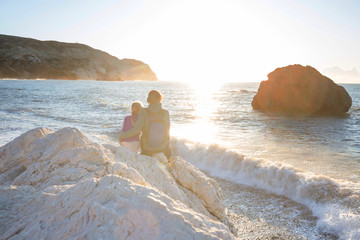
(60, 185)
(296, 89)
(25, 58)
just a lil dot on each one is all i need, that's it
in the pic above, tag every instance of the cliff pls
(60, 185)
(25, 58)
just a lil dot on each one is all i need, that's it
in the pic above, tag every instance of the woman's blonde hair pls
(154, 96)
(136, 107)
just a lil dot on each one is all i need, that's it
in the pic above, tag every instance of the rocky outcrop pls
(25, 58)
(60, 185)
(296, 89)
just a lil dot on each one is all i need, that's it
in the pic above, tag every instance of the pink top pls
(129, 124)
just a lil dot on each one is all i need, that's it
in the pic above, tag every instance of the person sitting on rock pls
(132, 142)
(154, 123)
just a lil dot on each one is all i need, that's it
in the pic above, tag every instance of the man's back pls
(155, 133)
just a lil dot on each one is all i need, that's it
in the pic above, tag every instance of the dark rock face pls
(27, 58)
(296, 89)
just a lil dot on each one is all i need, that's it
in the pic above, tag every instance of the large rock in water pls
(25, 58)
(296, 89)
(60, 185)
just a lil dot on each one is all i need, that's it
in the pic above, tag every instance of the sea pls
(298, 175)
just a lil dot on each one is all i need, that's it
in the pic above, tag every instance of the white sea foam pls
(335, 203)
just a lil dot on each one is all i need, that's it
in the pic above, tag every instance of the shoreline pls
(253, 217)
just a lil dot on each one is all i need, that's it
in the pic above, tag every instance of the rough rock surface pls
(296, 89)
(26, 58)
(60, 185)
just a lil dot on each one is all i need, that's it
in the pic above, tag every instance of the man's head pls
(154, 96)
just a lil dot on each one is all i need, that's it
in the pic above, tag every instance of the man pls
(154, 124)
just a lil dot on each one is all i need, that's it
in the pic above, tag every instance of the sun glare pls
(209, 45)
(202, 128)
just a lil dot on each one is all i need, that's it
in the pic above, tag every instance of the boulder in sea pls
(60, 185)
(296, 89)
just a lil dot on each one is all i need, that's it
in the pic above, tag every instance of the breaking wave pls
(335, 203)
(355, 110)
(242, 91)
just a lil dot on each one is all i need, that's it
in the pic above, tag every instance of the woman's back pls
(128, 124)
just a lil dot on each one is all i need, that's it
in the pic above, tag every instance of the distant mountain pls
(342, 76)
(26, 58)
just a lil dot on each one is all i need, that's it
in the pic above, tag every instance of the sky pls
(201, 40)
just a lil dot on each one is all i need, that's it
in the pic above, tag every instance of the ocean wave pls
(247, 91)
(241, 91)
(120, 108)
(355, 110)
(17, 110)
(335, 203)
(56, 118)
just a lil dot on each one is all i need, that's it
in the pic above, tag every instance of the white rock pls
(62, 186)
(207, 189)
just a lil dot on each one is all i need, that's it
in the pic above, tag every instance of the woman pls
(133, 142)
